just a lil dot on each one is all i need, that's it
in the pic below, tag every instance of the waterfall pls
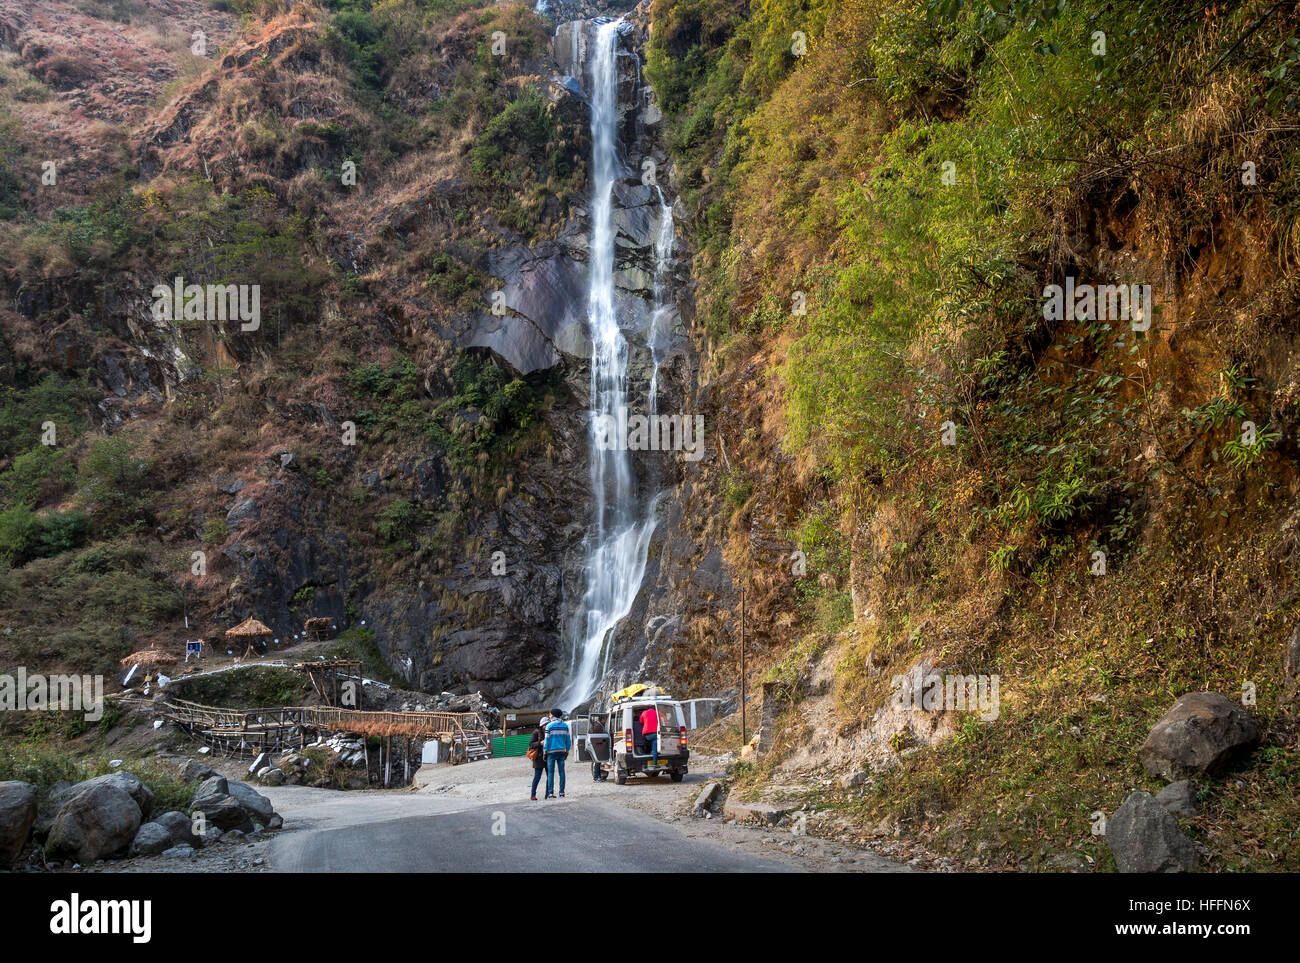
(622, 525)
(660, 319)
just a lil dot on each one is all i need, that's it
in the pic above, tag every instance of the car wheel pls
(676, 776)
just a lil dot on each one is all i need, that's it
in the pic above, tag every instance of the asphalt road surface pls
(565, 835)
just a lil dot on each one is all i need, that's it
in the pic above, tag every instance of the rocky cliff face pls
(241, 431)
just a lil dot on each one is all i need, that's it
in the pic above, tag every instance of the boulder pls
(151, 839)
(179, 852)
(212, 788)
(255, 804)
(275, 822)
(17, 815)
(1179, 798)
(126, 782)
(852, 780)
(1203, 733)
(708, 795)
(271, 777)
(223, 813)
(49, 807)
(97, 822)
(753, 812)
(179, 826)
(194, 771)
(219, 807)
(1145, 838)
(1291, 665)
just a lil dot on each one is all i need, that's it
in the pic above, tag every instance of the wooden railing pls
(464, 730)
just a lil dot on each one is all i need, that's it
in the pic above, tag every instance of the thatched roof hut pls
(249, 628)
(318, 623)
(149, 658)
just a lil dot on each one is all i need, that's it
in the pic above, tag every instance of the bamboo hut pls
(251, 630)
(315, 628)
(149, 659)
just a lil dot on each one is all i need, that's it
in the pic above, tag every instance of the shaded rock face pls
(1203, 733)
(517, 653)
(179, 827)
(150, 840)
(1144, 838)
(96, 822)
(17, 814)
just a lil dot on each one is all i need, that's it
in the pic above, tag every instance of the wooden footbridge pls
(280, 729)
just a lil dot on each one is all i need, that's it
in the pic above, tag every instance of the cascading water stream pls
(621, 525)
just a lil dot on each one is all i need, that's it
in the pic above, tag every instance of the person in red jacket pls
(650, 731)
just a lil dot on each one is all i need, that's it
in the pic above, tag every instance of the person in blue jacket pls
(556, 750)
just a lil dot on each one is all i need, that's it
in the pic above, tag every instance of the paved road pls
(567, 835)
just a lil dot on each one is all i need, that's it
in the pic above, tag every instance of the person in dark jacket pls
(536, 745)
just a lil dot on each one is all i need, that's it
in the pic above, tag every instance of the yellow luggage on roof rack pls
(636, 689)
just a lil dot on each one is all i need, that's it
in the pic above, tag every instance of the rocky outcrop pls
(179, 827)
(1144, 838)
(17, 814)
(191, 770)
(94, 823)
(150, 840)
(230, 805)
(1202, 733)
(1179, 798)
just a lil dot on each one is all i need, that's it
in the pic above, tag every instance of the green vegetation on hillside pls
(882, 191)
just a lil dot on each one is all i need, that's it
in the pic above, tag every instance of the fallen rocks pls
(754, 812)
(150, 840)
(17, 815)
(1202, 733)
(707, 797)
(95, 823)
(269, 776)
(254, 803)
(1144, 838)
(1179, 798)
(180, 828)
(194, 771)
(215, 805)
(852, 780)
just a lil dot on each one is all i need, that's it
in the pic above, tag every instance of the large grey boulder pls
(194, 771)
(255, 804)
(214, 787)
(179, 827)
(17, 814)
(129, 784)
(96, 822)
(218, 806)
(1179, 798)
(49, 807)
(150, 840)
(1145, 838)
(1203, 733)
